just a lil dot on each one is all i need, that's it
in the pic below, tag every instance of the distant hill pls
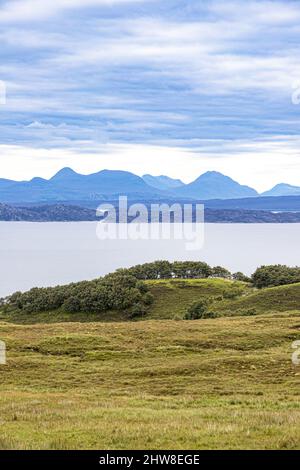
(71, 213)
(214, 185)
(46, 213)
(283, 190)
(279, 203)
(162, 182)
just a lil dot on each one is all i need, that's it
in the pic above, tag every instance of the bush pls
(118, 291)
(275, 275)
(220, 272)
(148, 299)
(246, 313)
(72, 305)
(138, 310)
(232, 293)
(250, 312)
(239, 276)
(199, 310)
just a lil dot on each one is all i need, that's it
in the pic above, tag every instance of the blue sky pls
(175, 87)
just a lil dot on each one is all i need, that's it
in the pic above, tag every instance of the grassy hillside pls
(173, 297)
(223, 383)
(274, 299)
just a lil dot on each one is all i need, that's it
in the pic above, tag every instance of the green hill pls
(171, 298)
(272, 299)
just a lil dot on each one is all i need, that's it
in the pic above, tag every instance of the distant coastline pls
(74, 213)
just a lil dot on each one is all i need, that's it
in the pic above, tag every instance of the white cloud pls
(217, 57)
(34, 10)
(267, 12)
(160, 78)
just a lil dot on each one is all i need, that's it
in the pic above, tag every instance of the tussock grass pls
(225, 383)
(273, 299)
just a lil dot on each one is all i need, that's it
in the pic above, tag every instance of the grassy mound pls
(273, 299)
(171, 299)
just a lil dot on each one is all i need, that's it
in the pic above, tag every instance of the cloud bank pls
(208, 79)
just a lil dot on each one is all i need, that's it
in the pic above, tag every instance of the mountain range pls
(67, 185)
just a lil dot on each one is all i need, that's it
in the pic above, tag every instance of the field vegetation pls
(206, 365)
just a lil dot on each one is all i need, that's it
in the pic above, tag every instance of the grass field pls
(225, 383)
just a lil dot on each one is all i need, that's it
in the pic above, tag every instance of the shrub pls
(239, 276)
(118, 291)
(72, 305)
(138, 310)
(220, 272)
(249, 312)
(148, 298)
(275, 275)
(244, 313)
(232, 293)
(199, 310)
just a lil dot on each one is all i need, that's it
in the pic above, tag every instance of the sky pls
(151, 86)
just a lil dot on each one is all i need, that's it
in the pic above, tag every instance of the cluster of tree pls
(179, 270)
(118, 291)
(123, 290)
(275, 275)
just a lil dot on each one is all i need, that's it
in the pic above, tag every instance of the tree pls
(117, 291)
(219, 271)
(275, 275)
(239, 276)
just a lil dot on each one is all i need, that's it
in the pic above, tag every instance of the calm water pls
(44, 254)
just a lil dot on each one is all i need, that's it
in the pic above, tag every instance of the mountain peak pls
(38, 180)
(162, 182)
(283, 189)
(214, 174)
(64, 173)
(215, 185)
